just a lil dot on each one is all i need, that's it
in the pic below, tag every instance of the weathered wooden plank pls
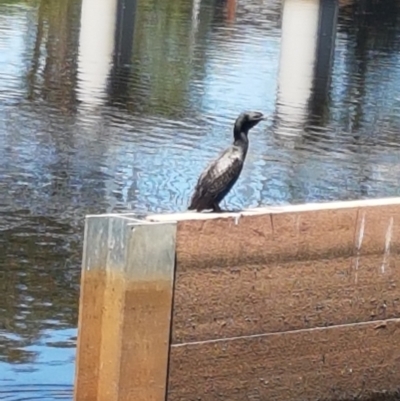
(125, 311)
(298, 208)
(286, 232)
(289, 271)
(281, 237)
(214, 302)
(347, 362)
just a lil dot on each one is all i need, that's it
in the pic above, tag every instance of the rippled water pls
(104, 113)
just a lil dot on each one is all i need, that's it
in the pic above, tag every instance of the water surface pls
(102, 111)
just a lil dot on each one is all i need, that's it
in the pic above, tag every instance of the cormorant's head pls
(246, 121)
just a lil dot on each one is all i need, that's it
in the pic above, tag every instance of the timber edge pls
(304, 207)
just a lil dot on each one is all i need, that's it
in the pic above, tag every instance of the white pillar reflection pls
(194, 27)
(297, 58)
(96, 46)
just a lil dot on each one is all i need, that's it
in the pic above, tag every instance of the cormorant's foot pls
(213, 209)
(216, 208)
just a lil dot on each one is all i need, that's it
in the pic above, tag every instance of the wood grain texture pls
(287, 305)
(348, 362)
(143, 362)
(88, 351)
(213, 303)
(302, 270)
(308, 235)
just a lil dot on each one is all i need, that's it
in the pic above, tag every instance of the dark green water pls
(121, 113)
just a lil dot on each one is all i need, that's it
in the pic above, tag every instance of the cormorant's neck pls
(240, 137)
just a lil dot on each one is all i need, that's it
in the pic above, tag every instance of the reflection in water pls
(52, 74)
(118, 86)
(96, 46)
(319, 100)
(104, 110)
(296, 68)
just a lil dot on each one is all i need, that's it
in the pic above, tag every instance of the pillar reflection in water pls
(96, 47)
(194, 27)
(301, 26)
(324, 60)
(125, 28)
(118, 85)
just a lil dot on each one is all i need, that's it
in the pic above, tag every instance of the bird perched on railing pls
(220, 175)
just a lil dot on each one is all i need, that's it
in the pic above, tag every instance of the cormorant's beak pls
(260, 117)
(257, 116)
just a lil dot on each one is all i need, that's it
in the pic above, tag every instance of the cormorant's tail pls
(192, 205)
(195, 202)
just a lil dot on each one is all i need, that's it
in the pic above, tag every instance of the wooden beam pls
(258, 291)
(351, 362)
(304, 207)
(125, 309)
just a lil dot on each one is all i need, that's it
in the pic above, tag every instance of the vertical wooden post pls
(125, 309)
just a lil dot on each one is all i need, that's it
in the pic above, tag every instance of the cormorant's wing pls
(221, 174)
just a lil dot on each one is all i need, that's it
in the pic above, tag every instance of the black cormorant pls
(220, 175)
